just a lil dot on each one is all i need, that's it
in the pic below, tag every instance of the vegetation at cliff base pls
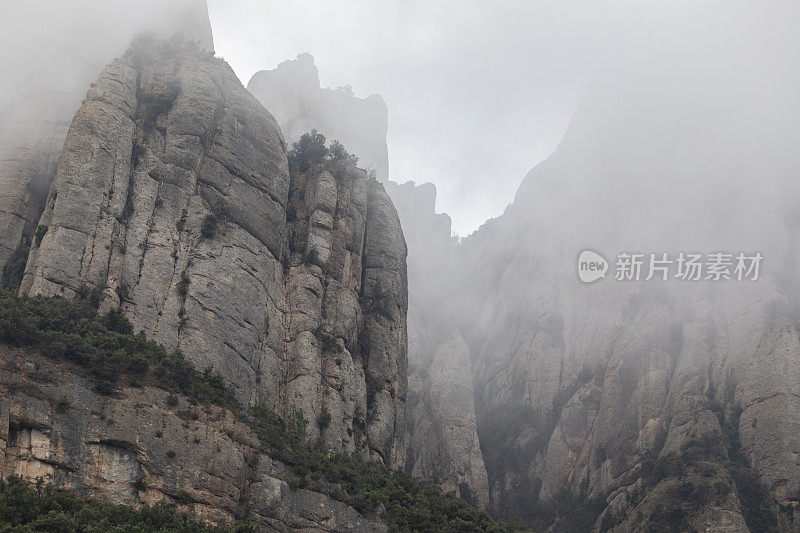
(24, 508)
(105, 346)
(369, 487)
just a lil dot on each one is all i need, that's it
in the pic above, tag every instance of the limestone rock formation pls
(42, 91)
(142, 446)
(292, 93)
(427, 232)
(173, 195)
(442, 425)
(444, 445)
(579, 390)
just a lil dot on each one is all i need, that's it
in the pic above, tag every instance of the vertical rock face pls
(293, 95)
(347, 305)
(580, 389)
(165, 158)
(173, 195)
(43, 91)
(443, 445)
(427, 232)
(444, 441)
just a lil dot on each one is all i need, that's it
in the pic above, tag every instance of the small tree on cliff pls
(337, 152)
(308, 150)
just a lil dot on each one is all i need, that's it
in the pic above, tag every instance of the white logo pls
(591, 266)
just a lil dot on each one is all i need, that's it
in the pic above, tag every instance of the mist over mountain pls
(219, 298)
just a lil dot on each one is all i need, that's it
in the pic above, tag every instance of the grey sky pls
(478, 92)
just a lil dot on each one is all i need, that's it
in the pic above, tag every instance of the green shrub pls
(157, 103)
(41, 230)
(137, 151)
(105, 348)
(329, 342)
(127, 209)
(410, 506)
(337, 152)
(103, 345)
(123, 292)
(183, 285)
(311, 150)
(308, 150)
(323, 420)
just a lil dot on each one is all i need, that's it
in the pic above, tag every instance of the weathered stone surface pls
(291, 92)
(138, 447)
(133, 192)
(444, 441)
(42, 94)
(174, 197)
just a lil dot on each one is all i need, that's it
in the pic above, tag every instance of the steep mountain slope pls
(99, 413)
(144, 446)
(654, 398)
(173, 196)
(654, 404)
(444, 428)
(293, 95)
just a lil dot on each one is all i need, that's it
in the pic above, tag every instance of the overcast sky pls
(478, 92)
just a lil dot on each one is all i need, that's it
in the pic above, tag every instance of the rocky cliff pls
(173, 195)
(145, 446)
(444, 443)
(293, 94)
(659, 404)
(651, 405)
(42, 90)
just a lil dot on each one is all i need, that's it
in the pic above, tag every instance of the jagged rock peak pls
(292, 93)
(424, 228)
(41, 92)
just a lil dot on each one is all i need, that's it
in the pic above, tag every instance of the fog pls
(684, 141)
(550, 128)
(46, 43)
(656, 128)
(477, 93)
